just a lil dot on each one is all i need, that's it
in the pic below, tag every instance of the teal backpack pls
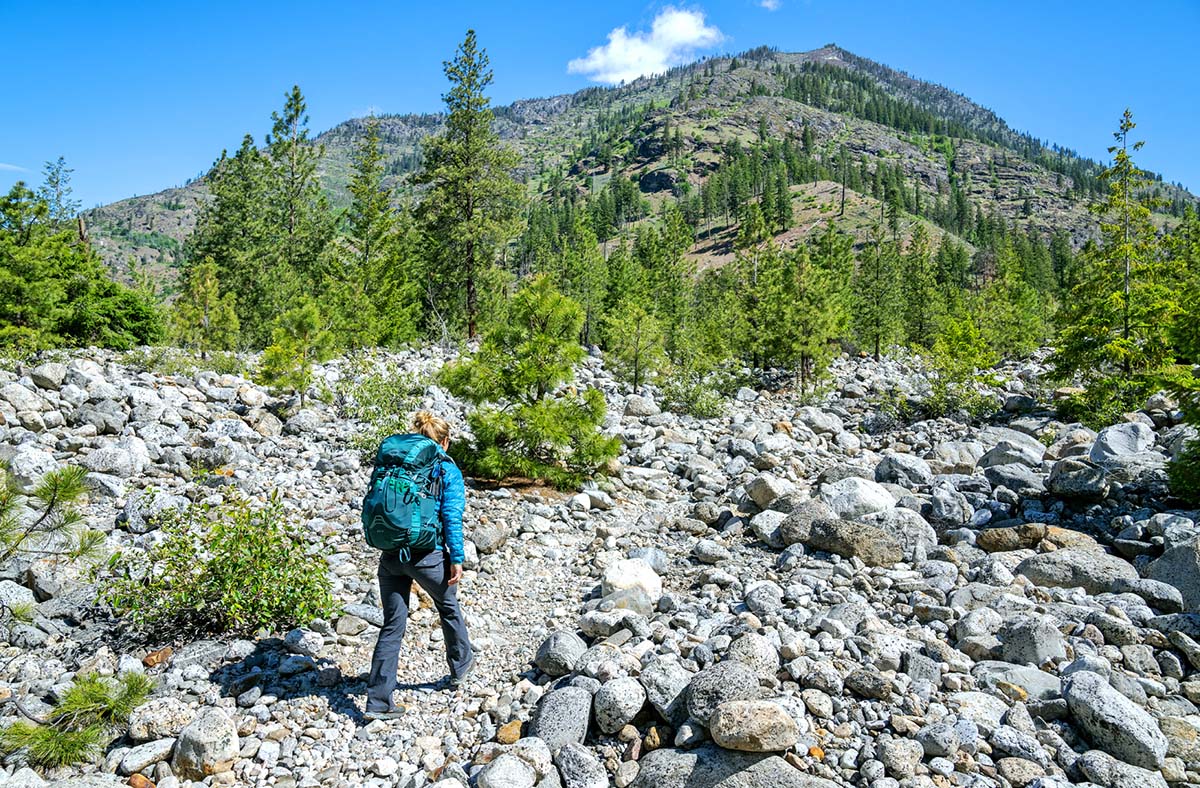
(400, 509)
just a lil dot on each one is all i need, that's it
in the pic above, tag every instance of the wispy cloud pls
(11, 168)
(770, 5)
(674, 37)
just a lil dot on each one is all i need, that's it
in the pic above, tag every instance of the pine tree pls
(56, 191)
(300, 339)
(374, 284)
(472, 206)
(635, 343)
(205, 318)
(1116, 320)
(299, 214)
(879, 301)
(520, 426)
(232, 232)
(921, 294)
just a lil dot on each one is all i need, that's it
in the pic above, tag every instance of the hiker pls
(434, 562)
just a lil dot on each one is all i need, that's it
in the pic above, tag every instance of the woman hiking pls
(437, 570)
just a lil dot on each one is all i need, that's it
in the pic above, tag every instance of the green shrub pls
(521, 425)
(381, 403)
(170, 361)
(91, 712)
(225, 568)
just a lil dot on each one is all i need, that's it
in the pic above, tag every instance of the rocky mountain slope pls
(797, 593)
(572, 139)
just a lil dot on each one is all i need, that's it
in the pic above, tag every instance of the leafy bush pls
(1106, 400)
(521, 426)
(169, 361)
(381, 403)
(229, 567)
(692, 394)
(91, 712)
(958, 353)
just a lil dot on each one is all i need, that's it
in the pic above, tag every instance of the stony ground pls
(807, 593)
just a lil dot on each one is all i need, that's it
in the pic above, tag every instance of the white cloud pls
(771, 5)
(673, 39)
(11, 168)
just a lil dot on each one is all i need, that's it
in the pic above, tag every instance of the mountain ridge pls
(871, 111)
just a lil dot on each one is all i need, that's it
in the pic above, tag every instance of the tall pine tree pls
(472, 206)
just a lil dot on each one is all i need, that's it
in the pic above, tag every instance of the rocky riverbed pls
(798, 593)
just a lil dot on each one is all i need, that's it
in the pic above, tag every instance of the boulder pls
(144, 507)
(559, 653)
(49, 375)
(870, 544)
(765, 488)
(1114, 723)
(1120, 441)
(506, 771)
(639, 406)
(562, 717)
(579, 768)
(753, 726)
(207, 745)
(854, 496)
(797, 526)
(915, 536)
(710, 766)
(906, 470)
(719, 684)
(1180, 567)
(28, 464)
(955, 456)
(159, 718)
(1073, 477)
(1093, 570)
(1029, 639)
(819, 421)
(617, 703)
(666, 683)
(632, 573)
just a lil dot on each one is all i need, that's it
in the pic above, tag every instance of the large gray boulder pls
(1090, 569)
(506, 771)
(1120, 441)
(1114, 723)
(207, 745)
(28, 464)
(562, 717)
(160, 718)
(579, 768)
(710, 766)
(1180, 566)
(719, 684)
(1073, 477)
(868, 543)
(906, 470)
(559, 653)
(617, 703)
(666, 682)
(854, 496)
(915, 536)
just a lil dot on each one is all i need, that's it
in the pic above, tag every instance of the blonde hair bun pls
(433, 427)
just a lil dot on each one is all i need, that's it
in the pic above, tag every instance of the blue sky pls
(139, 96)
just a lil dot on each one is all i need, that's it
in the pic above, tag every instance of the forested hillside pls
(946, 159)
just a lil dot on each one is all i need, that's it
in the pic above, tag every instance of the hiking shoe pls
(391, 714)
(457, 681)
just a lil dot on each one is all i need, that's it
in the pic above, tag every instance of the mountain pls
(942, 146)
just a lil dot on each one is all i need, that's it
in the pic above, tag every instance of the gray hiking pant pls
(430, 570)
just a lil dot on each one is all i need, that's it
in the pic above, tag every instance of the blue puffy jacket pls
(450, 509)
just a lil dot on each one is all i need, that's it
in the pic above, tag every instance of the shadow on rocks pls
(270, 670)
